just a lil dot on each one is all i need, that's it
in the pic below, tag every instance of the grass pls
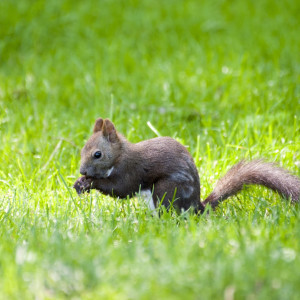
(221, 77)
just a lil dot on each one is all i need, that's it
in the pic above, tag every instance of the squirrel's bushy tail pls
(255, 172)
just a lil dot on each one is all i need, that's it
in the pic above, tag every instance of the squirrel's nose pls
(82, 172)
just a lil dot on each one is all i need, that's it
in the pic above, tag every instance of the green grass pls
(220, 76)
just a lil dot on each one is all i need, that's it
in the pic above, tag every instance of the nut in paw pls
(82, 185)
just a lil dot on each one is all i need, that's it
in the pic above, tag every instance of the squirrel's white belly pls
(146, 195)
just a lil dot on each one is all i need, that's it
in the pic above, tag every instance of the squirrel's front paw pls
(82, 184)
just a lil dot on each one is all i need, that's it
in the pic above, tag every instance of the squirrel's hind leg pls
(181, 196)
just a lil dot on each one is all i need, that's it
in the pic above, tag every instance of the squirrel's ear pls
(109, 131)
(98, 125)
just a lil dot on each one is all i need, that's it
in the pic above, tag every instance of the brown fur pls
(255, 172)
(165, 167)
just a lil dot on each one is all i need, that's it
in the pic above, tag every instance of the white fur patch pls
(109, 171)
(147, 196)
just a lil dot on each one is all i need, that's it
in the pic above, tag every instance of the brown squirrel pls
(162, 169)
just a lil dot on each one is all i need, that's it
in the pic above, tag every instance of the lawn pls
(222, 77)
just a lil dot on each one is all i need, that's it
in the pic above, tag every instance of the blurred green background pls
(222, 77)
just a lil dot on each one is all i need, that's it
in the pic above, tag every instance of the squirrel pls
(164, 171)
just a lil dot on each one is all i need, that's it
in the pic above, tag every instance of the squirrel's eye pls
(97, 154)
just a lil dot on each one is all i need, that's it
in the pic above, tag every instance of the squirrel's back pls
(165, 157)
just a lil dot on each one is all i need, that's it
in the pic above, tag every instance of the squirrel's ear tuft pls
(98, 125)
(109, 131)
